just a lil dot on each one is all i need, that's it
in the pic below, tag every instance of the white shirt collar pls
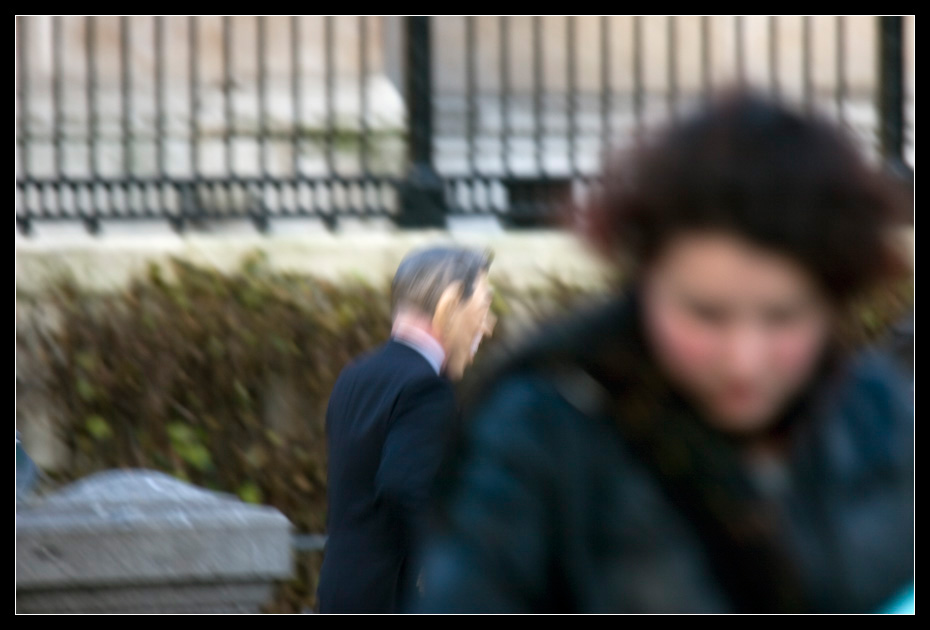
(422, 342)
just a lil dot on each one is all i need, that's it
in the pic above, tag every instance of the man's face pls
(468, 324)
(739, 328)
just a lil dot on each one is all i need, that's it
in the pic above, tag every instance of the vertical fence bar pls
(93, 120)
(126, 99)
(537, 93)
(638, 71)
(422, 199)
(570, 67)
(740, 36)
(363, 96)
(160, 108)
(705, 56)
(194, 76)
(24, 106)
(504, 35)
(328, 127)
(126, 107)
(672, 66)
(329, 60)
(261, 62)
(260, 216)
(228, 113)
(296, 96)
(296, 111)
(58, 101)
(190, 203)
(606, 129)
(91, 87)
(841, 69)
(891, 95)
(58, 117)
(22, 40)
(773, 56)
(420, 80)
(806, 62)
(470, 89)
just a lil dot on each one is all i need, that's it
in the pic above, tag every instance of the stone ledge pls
(142, 541)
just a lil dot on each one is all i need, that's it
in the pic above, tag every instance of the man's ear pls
(446, 307)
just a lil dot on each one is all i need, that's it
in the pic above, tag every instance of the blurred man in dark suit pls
(389, 420)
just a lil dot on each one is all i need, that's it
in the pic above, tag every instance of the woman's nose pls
(746, 352)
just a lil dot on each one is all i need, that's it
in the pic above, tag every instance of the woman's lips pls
(739, 394)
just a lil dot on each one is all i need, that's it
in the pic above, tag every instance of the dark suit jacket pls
(389, 420)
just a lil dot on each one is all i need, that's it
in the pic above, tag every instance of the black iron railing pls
(199, 120)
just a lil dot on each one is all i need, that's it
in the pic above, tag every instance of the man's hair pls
(790, 183)
(424, 275)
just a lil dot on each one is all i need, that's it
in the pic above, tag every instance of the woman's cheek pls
(797, 349)
(687, 346)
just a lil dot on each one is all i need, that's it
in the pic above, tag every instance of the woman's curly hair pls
(790, 183)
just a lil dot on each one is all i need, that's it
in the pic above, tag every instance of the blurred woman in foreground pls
(703, 443)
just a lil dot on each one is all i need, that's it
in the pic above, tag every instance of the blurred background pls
(198, 119)
(208, 208)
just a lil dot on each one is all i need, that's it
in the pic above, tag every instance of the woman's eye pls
(708, 314)
(781, 317)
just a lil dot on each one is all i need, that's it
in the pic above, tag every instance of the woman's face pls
(738, 328)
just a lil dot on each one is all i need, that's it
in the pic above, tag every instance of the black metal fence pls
(196, 120)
